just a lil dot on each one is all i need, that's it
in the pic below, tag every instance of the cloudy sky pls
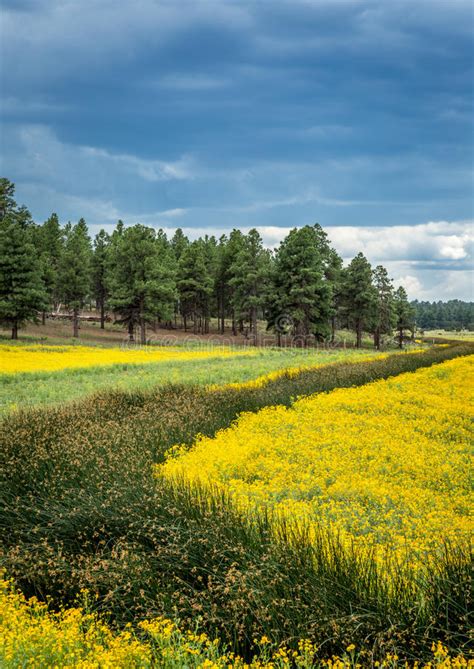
(215, 114)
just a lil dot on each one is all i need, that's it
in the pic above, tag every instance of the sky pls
(215, 114)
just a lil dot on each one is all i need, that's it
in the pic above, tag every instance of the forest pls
(137, 277)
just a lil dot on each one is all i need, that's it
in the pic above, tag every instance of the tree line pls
(301, 289)
(450, 315)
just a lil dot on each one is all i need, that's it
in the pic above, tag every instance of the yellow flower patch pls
(386, 463)
(15, 359)
(32, 636)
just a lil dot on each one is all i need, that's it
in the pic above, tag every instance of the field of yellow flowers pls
(15, 359)
(387, 463)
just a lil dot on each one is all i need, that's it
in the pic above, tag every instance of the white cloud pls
(150, 170)
(35, 152)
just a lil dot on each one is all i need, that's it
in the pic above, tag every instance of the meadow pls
(186, 525)
(33, 375)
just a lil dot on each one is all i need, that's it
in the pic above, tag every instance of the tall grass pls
(80, 508)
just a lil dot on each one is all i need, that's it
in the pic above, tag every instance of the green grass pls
(47, 388)
(80, 508)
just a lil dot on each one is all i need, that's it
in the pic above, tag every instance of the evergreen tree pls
(179, 242)
(358, 295)
(404, 314)
(250, 272)
(99, 269)
(141, 278)
(302, 293)
(7, 200)
(384, 316)
(74, 271)
(211, 259)
(22, 291)
(50, 246)
(227, 250)
(195, 285)
(333, 274)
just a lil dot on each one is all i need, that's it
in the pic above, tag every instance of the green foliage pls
(384, 315)
(140, 277)
(22, 290)
(450, 315)
(249, 282)
(404, 314)
(195, 285)
(99, 271)
(358, 295)
(74, 271)
(50, 243)
(302, 295)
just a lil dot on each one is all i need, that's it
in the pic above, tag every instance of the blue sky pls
(210, 115)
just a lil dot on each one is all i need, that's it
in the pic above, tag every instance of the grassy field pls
(450, 335)
(34, 375)
(82, 508)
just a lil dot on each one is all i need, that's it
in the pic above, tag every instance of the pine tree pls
(358, 295)
(195, 285)
(22, 291)
(179, 242)
(74, 271)
(333, 275)
(227, 250)
(141, 278)
(250, 272)
(50, 246)
(302, 293)
(404, 313)
(99, 269)
(384, 316)
(7, 200)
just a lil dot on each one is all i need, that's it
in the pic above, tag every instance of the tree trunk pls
(253, 324)
(43, 318)
(234, 330)
(142, 322)
(400, 338)
(333, 329)
(131, 333)
(102, 315)
(359, 334)
(185, 321)
(75, 323)
(377, 339)
(15, 330)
